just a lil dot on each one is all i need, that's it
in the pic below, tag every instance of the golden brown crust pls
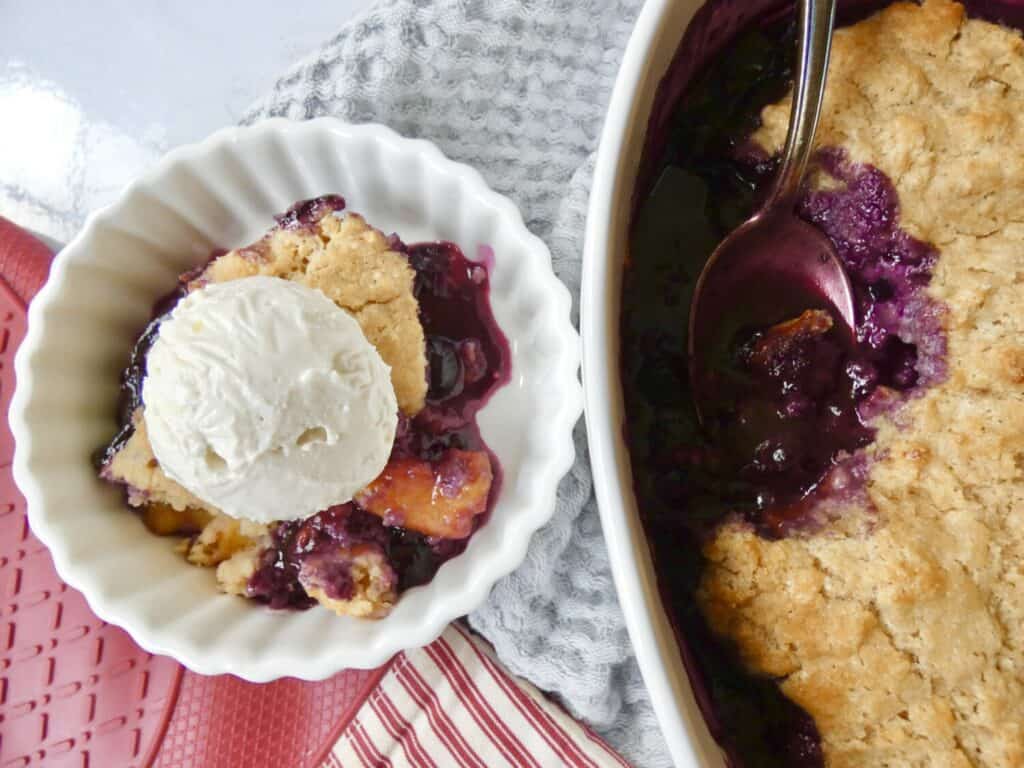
(223, 537)
(904, 641)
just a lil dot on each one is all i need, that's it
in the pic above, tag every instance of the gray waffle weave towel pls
(517, 89)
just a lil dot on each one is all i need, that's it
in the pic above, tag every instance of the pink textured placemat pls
(75, 691)
(224, 722)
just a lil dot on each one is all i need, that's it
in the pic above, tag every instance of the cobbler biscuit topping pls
(898, 629)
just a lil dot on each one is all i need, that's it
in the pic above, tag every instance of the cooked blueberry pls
(445, 369)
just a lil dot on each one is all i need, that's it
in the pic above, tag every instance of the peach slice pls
(437, 499)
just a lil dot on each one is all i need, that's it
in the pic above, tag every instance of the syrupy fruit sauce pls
(794, 409)
(468, 359)
(465, 351)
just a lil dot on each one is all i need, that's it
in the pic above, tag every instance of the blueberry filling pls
(798, 383)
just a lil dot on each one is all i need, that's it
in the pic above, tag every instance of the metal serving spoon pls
(775, 265)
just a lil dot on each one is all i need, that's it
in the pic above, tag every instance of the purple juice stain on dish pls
(485, 256)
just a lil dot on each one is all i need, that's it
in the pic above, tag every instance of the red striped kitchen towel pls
(452, 704)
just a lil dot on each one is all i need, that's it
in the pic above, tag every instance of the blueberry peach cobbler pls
(842, 547)
(302, 412)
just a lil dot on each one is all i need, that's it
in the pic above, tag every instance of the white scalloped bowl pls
(223, 193)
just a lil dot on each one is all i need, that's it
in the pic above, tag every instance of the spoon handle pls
(817, 17)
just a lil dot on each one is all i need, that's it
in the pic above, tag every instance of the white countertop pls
(92, 93)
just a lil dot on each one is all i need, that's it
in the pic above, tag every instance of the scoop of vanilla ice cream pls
(264, 399)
